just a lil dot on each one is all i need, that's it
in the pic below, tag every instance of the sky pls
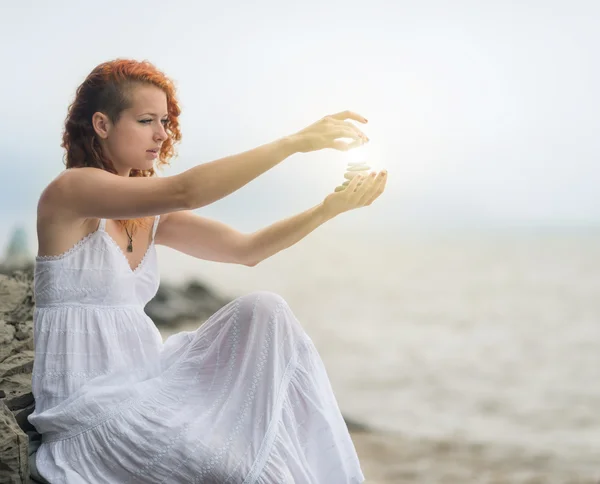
(484, 113)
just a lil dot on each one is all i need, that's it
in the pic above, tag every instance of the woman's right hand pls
(327, 131)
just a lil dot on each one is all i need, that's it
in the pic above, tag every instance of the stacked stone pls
(354, 169)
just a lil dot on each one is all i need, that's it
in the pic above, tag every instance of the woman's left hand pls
(361, 191)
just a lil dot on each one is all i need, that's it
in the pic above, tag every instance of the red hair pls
(108, 89)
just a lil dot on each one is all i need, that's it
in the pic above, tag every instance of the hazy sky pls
(483, 112)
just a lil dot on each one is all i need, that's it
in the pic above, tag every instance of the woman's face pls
(134, 141)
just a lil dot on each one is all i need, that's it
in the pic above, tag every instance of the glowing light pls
(364, 154)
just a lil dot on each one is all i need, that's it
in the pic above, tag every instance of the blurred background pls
(460, 312)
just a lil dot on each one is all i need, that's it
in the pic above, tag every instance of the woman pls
(243, 399)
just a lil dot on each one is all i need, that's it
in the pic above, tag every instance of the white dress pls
(244, 398)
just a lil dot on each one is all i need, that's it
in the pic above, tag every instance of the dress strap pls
(155, 226)
(102, 225)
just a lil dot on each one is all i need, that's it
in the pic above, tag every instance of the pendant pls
(130, 247)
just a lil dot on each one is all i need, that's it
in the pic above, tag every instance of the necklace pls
(130, 245)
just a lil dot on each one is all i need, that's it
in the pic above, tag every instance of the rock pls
(355, 168)
(16, 362)
(14, 467)
(173, 305)
(21, 417)
(356, 427)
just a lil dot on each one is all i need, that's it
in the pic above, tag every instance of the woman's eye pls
(147, 121)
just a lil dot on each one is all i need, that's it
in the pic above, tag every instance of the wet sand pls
(394, 459)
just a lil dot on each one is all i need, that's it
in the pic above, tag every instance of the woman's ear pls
(101, 124)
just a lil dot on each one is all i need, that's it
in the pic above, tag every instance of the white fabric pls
(245, 398)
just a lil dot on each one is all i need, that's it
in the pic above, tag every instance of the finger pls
(380, 180)
(377, 194)
(366, 189)
(379, 188)
(371, 183)
(347, 184)
(354, 128)
(345, 132)
(361, 186)
(354, 184)
(349, 115)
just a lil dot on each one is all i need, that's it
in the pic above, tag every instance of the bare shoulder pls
(59, 229)
(49, 198)
(95, 193)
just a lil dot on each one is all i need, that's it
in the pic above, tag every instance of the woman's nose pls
(161, 133)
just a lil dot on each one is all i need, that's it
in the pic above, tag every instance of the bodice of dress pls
(96, 271)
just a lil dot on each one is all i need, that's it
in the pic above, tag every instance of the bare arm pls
(202, 237)
(219, 178)
(266, 242)
(208, 239)
(91, 192)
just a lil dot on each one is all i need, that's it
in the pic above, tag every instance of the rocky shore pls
(386, 458)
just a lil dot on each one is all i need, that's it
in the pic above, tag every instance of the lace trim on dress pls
(87, 354)
(88, 306)
(70, 374)
(76, 247)
(77, 331)
(102, 229)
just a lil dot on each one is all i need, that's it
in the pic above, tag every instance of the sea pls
(490, 337)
